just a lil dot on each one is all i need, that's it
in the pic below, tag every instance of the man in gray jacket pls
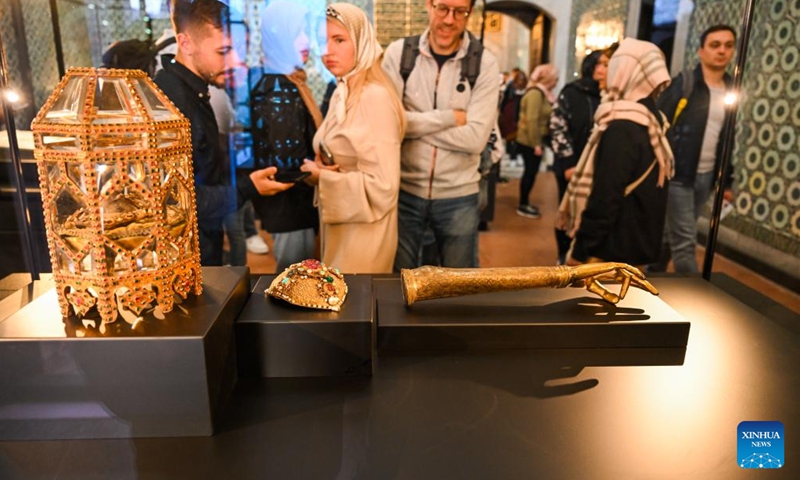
(449, 122)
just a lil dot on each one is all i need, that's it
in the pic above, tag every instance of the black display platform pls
(277, 339)
(540, 318)
(163, 378)
(520, 414)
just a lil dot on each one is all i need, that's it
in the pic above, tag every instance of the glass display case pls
(117, 187)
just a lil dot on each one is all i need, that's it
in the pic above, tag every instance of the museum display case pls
(551, 383)
(117, 187)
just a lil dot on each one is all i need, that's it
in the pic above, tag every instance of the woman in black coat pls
(571, 124)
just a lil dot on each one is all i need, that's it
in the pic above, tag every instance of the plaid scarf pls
(634, 72)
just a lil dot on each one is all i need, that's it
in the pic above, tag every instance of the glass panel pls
(176, 206)
(75, 173)
(183, 166)
(86, 263)
(125, 220)
(66, 208)
(61, 143)
(168, 138)
(147, 258)
(68, 107)
(105, 175)
(120, 140)
(64, 262)
(172, 252)
(113, 103)
(116, 263)
(139, 172)
(154, 106)
(53, 172)
(70, 217)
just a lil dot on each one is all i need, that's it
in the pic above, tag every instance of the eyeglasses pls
(458, 13)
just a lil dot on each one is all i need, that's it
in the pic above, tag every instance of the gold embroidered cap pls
(311, 284)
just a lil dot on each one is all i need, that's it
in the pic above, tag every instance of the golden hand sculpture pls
(426, 283)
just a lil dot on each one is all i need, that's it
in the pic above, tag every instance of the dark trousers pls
(211, 241)
(563, 240)
(532, 162)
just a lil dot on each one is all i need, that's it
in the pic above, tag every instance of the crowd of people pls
(393, 163)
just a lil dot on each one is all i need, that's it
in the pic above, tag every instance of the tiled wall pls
(767, 147)
(400, 18)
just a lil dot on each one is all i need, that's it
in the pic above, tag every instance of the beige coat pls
(534, 115)
(358, 203)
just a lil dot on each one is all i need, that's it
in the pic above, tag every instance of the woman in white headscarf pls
(616, 200)
(284, 118)
(362, 131)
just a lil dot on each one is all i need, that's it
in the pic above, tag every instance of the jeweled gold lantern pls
(115, 169)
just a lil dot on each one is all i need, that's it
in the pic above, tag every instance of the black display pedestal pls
(163, 378)
(277, 339)
(540, 318)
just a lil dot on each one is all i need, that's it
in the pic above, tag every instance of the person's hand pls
(538, 150)
(314, 167)
(461, 117)
(572, 262)
(266, 184)
(568, 173)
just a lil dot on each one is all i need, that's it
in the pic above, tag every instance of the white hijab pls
(283, 26)
(368, 51)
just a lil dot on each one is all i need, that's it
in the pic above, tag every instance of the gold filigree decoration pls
(115, 168)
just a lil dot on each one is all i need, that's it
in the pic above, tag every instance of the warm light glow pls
(596, 36)
(12, 96)
(730, 98)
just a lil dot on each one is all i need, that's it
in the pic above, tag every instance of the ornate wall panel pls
(11, 49)
(79, 49)
(399, 18)
(41, 49)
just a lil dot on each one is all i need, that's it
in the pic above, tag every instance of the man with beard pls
(449, 121)
(206, 57)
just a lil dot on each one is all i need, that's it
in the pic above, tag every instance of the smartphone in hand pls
(290, 176)
(325, 155)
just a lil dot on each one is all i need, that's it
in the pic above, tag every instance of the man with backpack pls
(694, 105)
(448, 85)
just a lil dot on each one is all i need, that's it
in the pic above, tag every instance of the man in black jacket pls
(695, 137)
(206, 57)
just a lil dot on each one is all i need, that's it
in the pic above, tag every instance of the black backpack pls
(470, 64)
(470, 71)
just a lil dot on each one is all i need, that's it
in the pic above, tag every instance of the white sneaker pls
(257, 245)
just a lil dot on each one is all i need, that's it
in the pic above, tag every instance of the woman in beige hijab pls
(616, 200)
(363, 131)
